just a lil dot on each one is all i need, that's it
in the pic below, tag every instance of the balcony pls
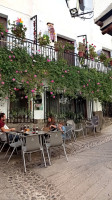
(10, 41)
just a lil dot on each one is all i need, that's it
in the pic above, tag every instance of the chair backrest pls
(3, 136)
(69, 129)
(32, 142)
(56, 138)
(71, 123)
(95, 120)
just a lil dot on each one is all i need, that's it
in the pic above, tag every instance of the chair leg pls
(94, 132)
(43, 157)
(83, 133)
(59, 152)
(3, 146)
(16, 151)
(11, 155)
(7, 152)
(48, 156)
(29, 157)
(65, 152)
(24, 162)
(74, 135)
(86, 131)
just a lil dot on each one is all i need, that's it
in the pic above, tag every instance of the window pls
(3, 21)
(106, 52)
(67, 55)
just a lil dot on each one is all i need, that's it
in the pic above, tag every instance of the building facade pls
(66, 28)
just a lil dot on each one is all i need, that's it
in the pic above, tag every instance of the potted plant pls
(18, 29)
(92, 53)
(102, 57)
(82, 49)
(63, 46)
(110, 61)
(43, 40)
(68, 47)
(2, 30)
(59, 46)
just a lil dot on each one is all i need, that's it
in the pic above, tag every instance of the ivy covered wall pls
(18, 70)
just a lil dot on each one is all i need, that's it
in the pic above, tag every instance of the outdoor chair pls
(3, 140)
(69, 132)
(71, 122)
(13, 144)
(32, 145)
(55, 140)
(92, 124)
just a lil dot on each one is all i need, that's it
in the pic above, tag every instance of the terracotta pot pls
(111, 63)
(67, 51)
(56, 49)
(81, 54)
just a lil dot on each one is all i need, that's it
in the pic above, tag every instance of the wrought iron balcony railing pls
(10, 41)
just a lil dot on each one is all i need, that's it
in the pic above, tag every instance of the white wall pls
(3, 106)
(18, 9)
(97, 106)
(56, 11)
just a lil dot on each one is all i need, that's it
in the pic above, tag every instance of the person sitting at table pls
(62, 128)
(4, 128)
(51, 124)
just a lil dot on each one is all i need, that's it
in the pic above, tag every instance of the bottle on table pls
(37, 130)
(34, 129)
(25, 129)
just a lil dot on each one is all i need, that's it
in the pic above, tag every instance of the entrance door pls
(21, 110)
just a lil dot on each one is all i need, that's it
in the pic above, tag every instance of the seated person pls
(4, 128)
(62, 128)
(51, 124)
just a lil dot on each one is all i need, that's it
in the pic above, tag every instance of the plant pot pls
(56, 49)
(111, 63)
(81, 54)
(67, 51)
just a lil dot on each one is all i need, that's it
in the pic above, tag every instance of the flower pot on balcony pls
(81, 54)
(111, 63)
(67, 51)
(56, 49)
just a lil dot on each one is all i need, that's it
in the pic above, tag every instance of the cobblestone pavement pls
(35, 184)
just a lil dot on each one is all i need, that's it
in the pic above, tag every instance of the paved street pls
(87, 175)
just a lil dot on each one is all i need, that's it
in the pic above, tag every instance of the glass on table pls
(22, 129)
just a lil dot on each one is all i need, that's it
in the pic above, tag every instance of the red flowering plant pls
(64, 46)
(82, 48)
(3, 31)
(19, 70)
(43, 40)
(92, 53)
(18, 29)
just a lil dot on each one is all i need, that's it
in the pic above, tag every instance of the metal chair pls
(69, 132)
(3, 140)
(71, 122)
(92, 124)
(13, 144)
(55, 140)
(32, 145)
